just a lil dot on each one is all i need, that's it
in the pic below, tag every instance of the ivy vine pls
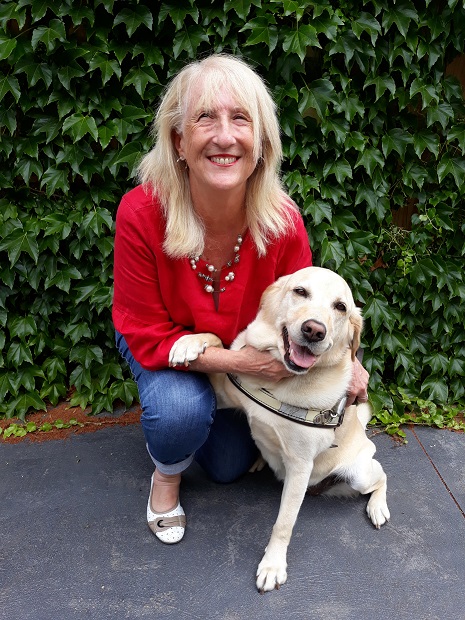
(373, 129)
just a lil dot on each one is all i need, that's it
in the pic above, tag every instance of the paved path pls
(74, 543)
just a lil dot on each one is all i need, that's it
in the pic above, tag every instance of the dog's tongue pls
(301, 356)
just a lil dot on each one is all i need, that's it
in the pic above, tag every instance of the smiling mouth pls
(223, 160)
(296, 357)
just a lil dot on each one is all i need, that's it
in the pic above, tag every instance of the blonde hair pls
(267, 205)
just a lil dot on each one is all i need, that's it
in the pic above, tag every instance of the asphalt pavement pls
(74, 543)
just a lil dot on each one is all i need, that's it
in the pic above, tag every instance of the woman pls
(197, 243)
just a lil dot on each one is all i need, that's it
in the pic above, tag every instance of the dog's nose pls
(313, 331)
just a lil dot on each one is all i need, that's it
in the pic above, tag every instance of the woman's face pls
(217, 145)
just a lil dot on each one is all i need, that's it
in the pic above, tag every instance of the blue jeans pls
(180, 422)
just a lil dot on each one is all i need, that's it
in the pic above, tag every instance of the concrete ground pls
(74, 543)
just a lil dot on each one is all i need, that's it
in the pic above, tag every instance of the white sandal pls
(169, 527)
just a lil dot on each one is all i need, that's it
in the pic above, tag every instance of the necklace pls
(212, 270)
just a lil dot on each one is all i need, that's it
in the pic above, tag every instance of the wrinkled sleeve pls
(138, 309)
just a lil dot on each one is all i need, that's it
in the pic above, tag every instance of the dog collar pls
(326, 418)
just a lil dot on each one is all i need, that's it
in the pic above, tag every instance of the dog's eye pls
(340, 306)
(301, 291)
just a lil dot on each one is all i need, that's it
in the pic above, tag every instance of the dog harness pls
(326, 418)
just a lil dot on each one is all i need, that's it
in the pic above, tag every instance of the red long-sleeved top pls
(157, 299)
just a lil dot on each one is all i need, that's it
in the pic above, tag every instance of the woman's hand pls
(358, 389)
(262, 364)
(248, 360)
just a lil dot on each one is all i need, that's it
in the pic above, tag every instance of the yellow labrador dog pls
(309, 321)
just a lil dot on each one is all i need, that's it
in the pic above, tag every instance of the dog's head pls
(311, 318)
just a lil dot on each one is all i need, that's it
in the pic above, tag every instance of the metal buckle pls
(324, 417)
(329, 415)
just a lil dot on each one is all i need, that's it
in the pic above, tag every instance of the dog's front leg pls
(188, 348)
(271, 572)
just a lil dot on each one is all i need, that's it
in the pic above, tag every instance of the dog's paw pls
(378, 512)
(258, 465)
(270, 576)
(186, 349)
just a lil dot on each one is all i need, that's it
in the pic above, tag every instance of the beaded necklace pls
(212, 270)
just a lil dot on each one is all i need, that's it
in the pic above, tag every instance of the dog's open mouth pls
(297, 357)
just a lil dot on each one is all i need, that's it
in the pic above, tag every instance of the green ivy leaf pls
(317, 96)
(124, 390)
(9, 84)
(188, 40)
(68, 73)
(426, 140)
(78, 125)
(54, 392)
(7, 46)
(107, 67)
(20, 405)
(18, 353)
(110, 369)
(370, 159)
(366, 23)
(401, 15)
(263, 31)
(57, 224)
(379, 312)
(297, 41)
(457, 133)
(454, 166)
(55, 179)
(242, 7)
(22, 326)
(49, 35)
(134, 17)
(140, 77)
(340, 168)
(62, 279)
(77, 331)
(80, 377)
(49, 125)
(27, 377)
(96, 220)
(396, 140)
(435, 389)
(332, 251)
(319, 210)
(19, 241)
(26, 167)
(359, 243)
(54, 367)
(34, 71)
(178, 14)
(85, 355)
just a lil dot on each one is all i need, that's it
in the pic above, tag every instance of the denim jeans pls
(180, 422)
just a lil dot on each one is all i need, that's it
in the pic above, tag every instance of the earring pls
(180, 158)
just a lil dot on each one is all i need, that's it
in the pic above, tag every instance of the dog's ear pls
(272, 291)
(356, 323)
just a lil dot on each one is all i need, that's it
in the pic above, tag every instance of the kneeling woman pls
(197, 243)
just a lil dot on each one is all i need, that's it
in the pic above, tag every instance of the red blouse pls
(157, 299)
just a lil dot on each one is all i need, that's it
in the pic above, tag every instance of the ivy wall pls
(373, 129)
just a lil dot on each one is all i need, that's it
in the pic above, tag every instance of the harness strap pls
(326, 418)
